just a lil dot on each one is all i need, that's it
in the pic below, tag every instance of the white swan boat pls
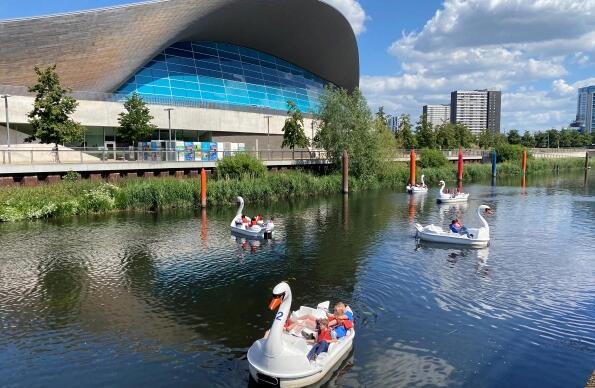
(481, 236)
(281, 359)
(423, 188)
(450, 197)
(238, 227)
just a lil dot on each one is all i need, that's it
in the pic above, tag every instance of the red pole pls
(524, 162)
(203, 188)
(460, 170)
(412, 167)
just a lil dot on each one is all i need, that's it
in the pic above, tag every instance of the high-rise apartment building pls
(477, 109)
(585, 109)
(393, 123)
(437, 114)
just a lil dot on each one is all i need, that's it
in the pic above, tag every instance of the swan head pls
(280, 293)
(240, 200)
(442, 183)
(486, 209)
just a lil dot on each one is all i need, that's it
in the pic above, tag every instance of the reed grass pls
(87, 197)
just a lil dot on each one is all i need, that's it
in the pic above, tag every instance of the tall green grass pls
(70, 198)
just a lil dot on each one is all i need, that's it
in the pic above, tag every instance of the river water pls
(170, 299)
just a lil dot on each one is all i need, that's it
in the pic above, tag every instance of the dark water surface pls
(171, 299)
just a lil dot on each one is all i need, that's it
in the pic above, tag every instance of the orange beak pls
(276, 302)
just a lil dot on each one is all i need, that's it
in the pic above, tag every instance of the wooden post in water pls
(460, 167)
(412, 168)
(494, 157)
(524, 161)
(587, 160)
(345, 172)
(203, 188)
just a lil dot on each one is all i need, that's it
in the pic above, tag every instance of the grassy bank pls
(85, 197)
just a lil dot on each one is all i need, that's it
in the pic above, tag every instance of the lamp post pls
(268, 117)
(5, 97)
(169, 129)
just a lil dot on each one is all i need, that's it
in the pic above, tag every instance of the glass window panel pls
(232, 70)
(205, 50)
(227, 55)
(162, 91)
(259, 102)
(235, 84)
(183, 45)
(251, 67)
(157, 65)
(212, 88)
(161, 82)
(127, 88)
(236, 92)
(208, 65)
(248, 52)
(143, 80)
(254, 94)
(178, 92)
(182, 77)
(213, 97)
(252, 74)
(193, 94)
(180, 61)
(184, 85)
(228, 47)
(238, 100)
(254, 81)
(178, 53)
(210, 81)
(256, 88)
(181, 69)
(208, 73)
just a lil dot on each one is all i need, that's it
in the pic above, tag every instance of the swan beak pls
(489, 211)
(276, 302)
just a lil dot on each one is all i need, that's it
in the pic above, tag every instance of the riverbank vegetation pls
(79, 197)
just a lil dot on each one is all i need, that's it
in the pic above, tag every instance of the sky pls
(415, 52)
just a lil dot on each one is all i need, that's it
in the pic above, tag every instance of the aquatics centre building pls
(210, 70)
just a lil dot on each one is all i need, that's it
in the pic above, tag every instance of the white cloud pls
(353, 11)
(502, 44)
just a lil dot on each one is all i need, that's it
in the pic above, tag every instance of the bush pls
(240, 166)
(432, 158)
(505, 152)
(72, 176)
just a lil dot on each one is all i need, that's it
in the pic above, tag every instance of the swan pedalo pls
(260, 230)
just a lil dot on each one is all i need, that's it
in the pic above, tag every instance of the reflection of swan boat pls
(434, 233)
(450, 197)
(281, 358)
(423, 188)
(242, 229)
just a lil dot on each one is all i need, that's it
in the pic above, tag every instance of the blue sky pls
(415, 52)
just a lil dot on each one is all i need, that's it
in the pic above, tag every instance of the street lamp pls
(169, 129)
(5, 97)
(268, 117)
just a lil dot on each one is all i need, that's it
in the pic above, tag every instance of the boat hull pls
(451, 200)
(332, 364)
(452, 240)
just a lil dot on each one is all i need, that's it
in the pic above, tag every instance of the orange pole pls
(412, 167)
(460, 170)
(203, 188)
(524, 162)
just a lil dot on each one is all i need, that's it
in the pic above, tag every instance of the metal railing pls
(86, 155)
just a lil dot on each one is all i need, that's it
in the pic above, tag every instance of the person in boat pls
(245, 220)
(323, 341)
(457, 227)
(341, 320)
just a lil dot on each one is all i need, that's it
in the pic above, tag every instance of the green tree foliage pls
(486, 139)
(527, 140)
(553, 138)
(293, 130)
(135, 122)
(345, 123)
(514, 137)
(432, 158)
(50, 117)
(540, 139)
(445, 136)
(240, 166)
(404, 136)
(383, 130)
(424, 133)
(507, 152)
(463, 135)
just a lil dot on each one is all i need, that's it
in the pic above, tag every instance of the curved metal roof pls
(99, 49)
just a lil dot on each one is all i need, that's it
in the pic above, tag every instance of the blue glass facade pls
(226, 74)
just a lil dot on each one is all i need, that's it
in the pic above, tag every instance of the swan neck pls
(483, 220)
(442, 188)
(240, 208)
(274, 343)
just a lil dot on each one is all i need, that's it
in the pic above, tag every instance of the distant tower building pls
(393, 123)
(585, 108)
(477, 109)
(437, 114)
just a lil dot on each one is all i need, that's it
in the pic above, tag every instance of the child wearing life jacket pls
(341, 321)
(323, 341)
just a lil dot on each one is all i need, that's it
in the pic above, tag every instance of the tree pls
(50, 117)
(463, 135)
(486, 139)
(404, 136)
(528, 140)
(135, 123)
(445, 136)
(293, 130)
(540, 139)
(553, 138)
(345, 123)
(424, 133)
(513, 137)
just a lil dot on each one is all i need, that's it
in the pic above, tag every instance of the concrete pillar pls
(163, 173)
(95, 176)
(148, 174)
(6, 181)
(52, 179)
(179, 174)
(114, 177)
(194, 174)
(29, 181)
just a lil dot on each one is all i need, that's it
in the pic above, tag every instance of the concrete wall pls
(105, 114)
